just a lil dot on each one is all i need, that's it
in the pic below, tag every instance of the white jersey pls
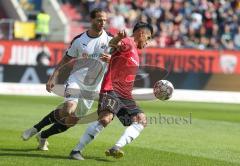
(88, 72)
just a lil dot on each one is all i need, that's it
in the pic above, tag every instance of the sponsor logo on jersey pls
(134, 61)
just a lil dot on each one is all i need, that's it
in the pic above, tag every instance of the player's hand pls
(105, 57)
(50, 84)
(122, 34)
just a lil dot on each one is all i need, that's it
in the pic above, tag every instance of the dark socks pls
(47, 120)
(54, 129)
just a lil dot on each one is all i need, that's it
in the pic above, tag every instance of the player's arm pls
(105, 57)
(115, 40)
(71, 53)
(51, 81)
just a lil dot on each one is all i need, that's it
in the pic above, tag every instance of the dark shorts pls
(124, 109)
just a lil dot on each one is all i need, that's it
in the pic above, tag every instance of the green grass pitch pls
(179, 133)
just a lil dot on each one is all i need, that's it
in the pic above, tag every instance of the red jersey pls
(122, 69)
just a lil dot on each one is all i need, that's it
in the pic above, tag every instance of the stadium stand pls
(2, 13)
(3, 23)
(74, 18)
(203, 24)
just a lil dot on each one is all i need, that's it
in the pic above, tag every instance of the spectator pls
(43, 59)
(98, 4)
(153, 10)
(121, 7)
(196, 21)
(237, 38)
(117, 21)
(42, 25)
(192, 24)
(214, 43)
(226, 38)
(1, 34)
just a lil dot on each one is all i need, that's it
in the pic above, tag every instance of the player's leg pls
(47, 120)
(57, 114)
(105, 117)
(68, 110)
(138, 122)
(58, 127)
(73, 112)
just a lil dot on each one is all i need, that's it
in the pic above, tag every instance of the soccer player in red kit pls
(116, 92)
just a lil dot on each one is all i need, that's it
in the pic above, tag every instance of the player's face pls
(99, 21)
(143, 37)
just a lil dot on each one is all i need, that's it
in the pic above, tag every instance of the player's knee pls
(105, 117)
(69, 108)
(105, 120)
(140, 118)
(71, 121)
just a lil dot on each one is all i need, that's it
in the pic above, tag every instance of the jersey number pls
(111, 103)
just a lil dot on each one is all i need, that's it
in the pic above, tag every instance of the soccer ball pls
(163, 89)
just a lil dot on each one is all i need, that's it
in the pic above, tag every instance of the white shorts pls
(72, 93)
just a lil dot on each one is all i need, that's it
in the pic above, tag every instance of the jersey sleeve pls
(109, 36)
(125, 45)
(72, 51)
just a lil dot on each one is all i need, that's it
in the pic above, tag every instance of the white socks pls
(92, 131)
(131, 133)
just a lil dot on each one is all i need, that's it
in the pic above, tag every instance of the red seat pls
(74, 18)
(71, 12)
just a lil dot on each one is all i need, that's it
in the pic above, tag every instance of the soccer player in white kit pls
(88, 51)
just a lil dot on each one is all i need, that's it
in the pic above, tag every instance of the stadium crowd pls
(202, 24)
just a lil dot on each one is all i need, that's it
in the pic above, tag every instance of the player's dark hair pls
(143, 25)
(94, 12)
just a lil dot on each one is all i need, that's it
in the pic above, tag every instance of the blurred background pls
(197, 41)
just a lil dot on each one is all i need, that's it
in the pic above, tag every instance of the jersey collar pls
(93, 36)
